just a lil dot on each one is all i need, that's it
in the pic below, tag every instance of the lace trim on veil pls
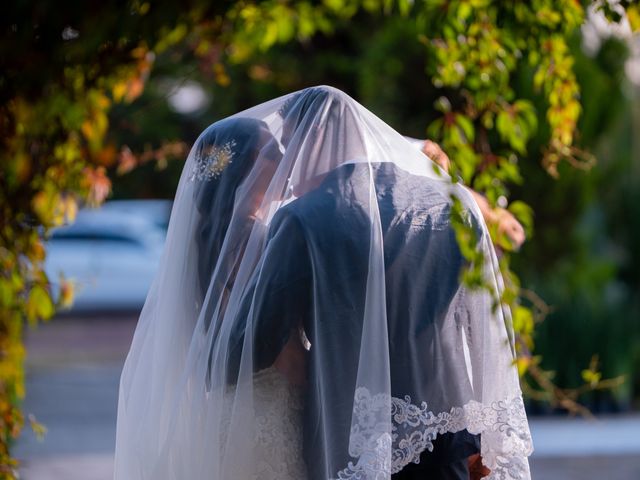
(383, 447)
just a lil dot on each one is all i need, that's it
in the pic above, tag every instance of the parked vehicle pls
(156, 210)
(111, 253)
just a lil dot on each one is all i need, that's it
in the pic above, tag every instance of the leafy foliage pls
(67, 69)
(475, 51)
(63, 67)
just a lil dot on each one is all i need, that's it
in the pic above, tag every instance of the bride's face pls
(261, 178)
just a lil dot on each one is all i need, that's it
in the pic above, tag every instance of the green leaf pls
(467, 127)
(523, 320)
(591, 377)
(6, 292)
(524, 214)
(39, 304)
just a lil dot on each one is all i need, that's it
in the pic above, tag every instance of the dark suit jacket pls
(315, 272)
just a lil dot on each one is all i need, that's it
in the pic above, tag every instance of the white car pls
(111, 255)
(156, 210)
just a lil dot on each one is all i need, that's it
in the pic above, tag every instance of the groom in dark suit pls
(314, 276)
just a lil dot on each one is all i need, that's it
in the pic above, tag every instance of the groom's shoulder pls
(312, 202)
(298, 209)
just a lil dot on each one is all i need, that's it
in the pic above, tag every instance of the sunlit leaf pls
(39, 304)
(67, 292)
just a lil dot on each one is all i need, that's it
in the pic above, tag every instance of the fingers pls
(477, 470)
(508, 225)
(435, 153)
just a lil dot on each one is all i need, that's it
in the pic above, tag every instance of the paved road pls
(73, 369)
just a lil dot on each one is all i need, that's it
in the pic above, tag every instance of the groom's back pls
(422, 263)
(422, 260)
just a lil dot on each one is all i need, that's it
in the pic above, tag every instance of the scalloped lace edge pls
(383, 444)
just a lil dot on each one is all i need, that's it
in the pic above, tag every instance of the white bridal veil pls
(309, 236)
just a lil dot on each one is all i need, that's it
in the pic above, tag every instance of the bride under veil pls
(307, 320)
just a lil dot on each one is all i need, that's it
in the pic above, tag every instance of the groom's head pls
(300, 108)
(321, 130)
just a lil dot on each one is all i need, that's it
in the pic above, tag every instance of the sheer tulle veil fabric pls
(283, 251)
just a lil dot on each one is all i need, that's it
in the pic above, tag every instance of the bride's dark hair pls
(225, 154)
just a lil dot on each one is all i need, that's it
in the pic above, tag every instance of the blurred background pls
(581, 263)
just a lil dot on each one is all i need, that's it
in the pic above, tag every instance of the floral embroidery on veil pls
(506, 440)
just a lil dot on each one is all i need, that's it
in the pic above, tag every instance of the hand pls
(435, 153)
(509, 226)
(476, 469)
(506, 225)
